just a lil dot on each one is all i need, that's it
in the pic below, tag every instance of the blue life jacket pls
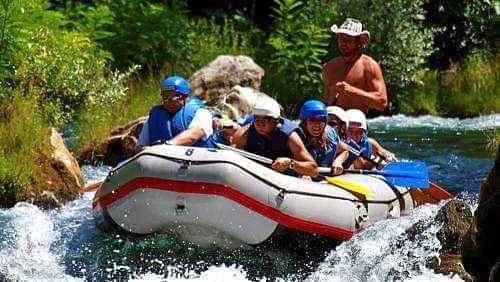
(217, 137)
(272, 148)
(364, 147)
(325, 158)
(163, 126)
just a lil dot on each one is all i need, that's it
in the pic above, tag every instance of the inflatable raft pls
(218, 197)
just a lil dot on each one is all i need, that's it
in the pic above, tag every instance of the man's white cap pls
(338, 112)
(356, 118)
(266, 106)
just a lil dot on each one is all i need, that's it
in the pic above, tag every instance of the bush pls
(462, 26)
(23, 135)
(297, 51)
(134, 31)
(97, 120)
(62, 70)
(473, 90)
(470, 91)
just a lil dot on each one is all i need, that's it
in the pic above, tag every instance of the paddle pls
(340, 182)
(435, 191)
(409, 174)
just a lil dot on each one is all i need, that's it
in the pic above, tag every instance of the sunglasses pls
(171, 95)
(316, 119)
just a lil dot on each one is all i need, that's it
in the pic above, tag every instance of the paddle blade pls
(409, 174)
(408, 181)
(350, 186)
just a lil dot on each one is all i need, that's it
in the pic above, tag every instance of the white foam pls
(27, 236)
(213, 273)
(434, 122)
(384, 252)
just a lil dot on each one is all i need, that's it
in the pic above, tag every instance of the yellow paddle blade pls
(349, 185)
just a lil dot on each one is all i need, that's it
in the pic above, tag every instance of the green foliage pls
(462, 26)
(97, 120)
(473, 90)
(23, 133)
(62, 69)
(297, 51)
(209, 38)
(399, 40)
(134, 31)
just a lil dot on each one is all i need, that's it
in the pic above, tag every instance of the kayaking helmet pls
(177, 84)
(356, 118)
(338, 112)
(266, 106)
(312, 108)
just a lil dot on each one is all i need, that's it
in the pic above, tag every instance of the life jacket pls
(364, 147)
(218, 138)
(163, 126)
(276, 146)
(324, 158)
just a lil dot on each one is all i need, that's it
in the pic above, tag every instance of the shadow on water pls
(97, 256)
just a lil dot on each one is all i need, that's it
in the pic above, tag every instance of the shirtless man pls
(353, 80)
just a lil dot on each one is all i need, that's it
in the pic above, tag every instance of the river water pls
(64, 244)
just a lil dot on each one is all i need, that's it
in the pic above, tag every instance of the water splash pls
(27, 237)
(433, 122)
(389, 250)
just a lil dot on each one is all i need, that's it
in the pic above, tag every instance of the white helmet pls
(266, 106)
(338, 112)
(356, 118)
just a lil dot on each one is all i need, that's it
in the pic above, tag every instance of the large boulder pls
(456, 219)
(118, 145)
(481, 247)
(213, 82)
(61, 179)
(239, 101)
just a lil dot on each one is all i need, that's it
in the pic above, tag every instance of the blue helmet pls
(197, 102)
(313, 108)
(177, 84)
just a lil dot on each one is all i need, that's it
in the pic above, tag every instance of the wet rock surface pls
(60, 179)
(470, 244)
(118, 145)
(481, 247)
(219, 77)
(456, 217)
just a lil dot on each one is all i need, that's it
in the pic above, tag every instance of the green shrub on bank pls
(474, 90)
(23, 134)
(471, 90)
(96, 121)
(63, 70)
(297, 52)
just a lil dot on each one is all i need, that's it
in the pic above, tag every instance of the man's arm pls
(188, 137)
(378, 149)
(199, 128)
(377, 96)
